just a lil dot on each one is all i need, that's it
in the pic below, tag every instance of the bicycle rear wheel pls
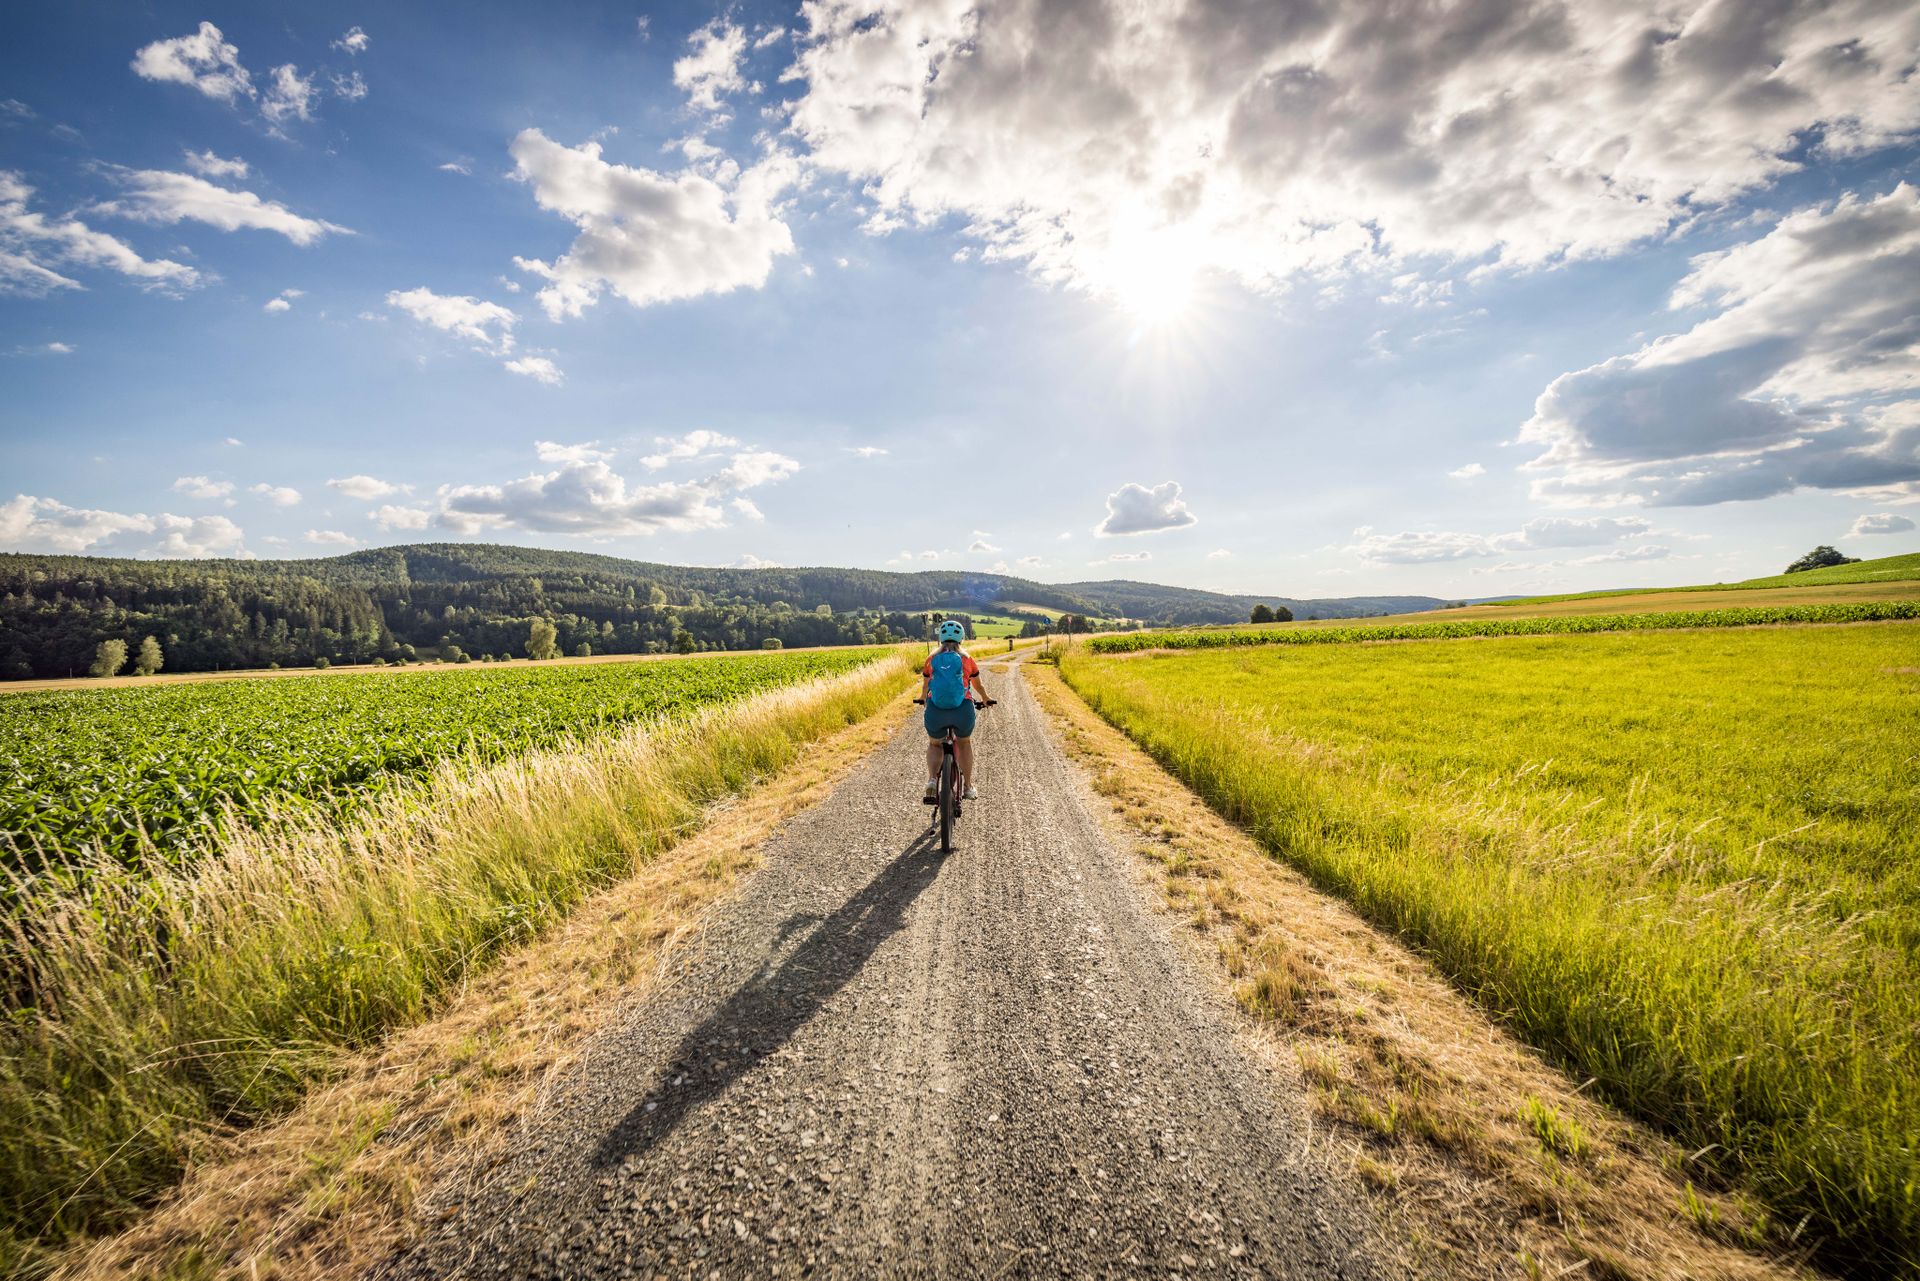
(949, 797)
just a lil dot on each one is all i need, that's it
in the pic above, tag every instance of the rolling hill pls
(478, 598)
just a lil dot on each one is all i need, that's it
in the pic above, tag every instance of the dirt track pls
(881, 1061)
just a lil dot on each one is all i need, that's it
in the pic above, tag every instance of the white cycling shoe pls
(972, 793)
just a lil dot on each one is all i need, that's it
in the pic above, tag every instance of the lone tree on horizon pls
(543, 640)
(149, 660)
(109, 658)
(1820, 558)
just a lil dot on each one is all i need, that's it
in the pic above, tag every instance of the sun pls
(1154, 281)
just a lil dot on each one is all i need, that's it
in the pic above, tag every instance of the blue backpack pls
(949, 685)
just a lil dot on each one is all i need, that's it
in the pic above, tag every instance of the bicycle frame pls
(947, 803)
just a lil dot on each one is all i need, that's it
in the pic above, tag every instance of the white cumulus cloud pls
(208, 165)
(1419, 547)
(589, 499)
(1260, 141)
(1135, 509)
(1880, 523)
(203, 60)
(552, 451)
(31, 524)
(487, 325)
(1467, 472)
(31, 243)
(367, 488)
(652, 237)
(194, 537)
(330, 538)
(538, 368)
(278, 495)
(1807, 376)
(161, 196)
(355, 41)
(695, 444)
(391, 517)
(711, 68)
(202, 487)
(289, 96)
(208, 62)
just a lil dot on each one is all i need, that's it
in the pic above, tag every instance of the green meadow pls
(1884, 569)
(1684, 863)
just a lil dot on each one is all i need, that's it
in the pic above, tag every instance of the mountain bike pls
(947, 802)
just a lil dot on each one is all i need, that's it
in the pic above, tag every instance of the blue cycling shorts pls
(961, 718)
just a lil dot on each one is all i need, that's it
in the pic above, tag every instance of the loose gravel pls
(881, 1061)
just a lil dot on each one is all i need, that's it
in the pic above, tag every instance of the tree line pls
(65, 616)
(77, 615)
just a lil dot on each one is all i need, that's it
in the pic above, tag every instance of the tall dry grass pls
(143, 1014)
(1681, 863)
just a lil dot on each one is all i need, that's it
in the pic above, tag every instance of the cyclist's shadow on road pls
(769, 1008)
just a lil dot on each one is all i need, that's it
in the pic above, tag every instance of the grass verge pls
(1484, 1161)
(149, 1020)
(1682, 863)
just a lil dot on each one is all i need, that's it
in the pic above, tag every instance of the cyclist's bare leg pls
(933, 758)
(963, 755)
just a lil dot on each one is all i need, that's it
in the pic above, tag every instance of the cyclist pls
(946, 684)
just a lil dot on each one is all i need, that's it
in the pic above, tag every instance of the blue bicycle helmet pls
(952, 631)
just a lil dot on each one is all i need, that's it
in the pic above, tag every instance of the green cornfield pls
(1684, 863)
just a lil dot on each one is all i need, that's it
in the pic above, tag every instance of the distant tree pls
(772, 642)
(583, 650)
(1262, 614)
(542, 640)
(1281, 614)
(322, 663)
(109, 658)
(149, 660)
(453, 654)
(823, 610)
(1819, 558)
(684, 643)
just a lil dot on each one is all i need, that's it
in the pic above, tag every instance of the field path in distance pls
(882, 1061)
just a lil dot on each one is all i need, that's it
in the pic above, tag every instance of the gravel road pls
(880, 1061)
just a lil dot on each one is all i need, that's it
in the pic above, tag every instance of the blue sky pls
(1229, 295)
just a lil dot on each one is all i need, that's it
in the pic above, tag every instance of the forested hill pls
(480, 599)
(1180, 606)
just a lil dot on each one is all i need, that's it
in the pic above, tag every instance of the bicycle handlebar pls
(921, 702)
